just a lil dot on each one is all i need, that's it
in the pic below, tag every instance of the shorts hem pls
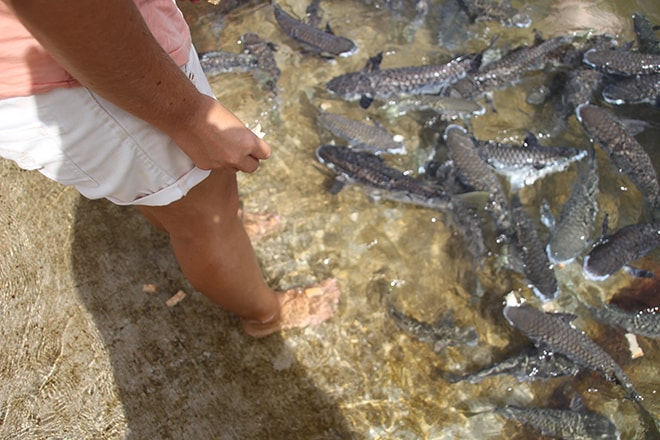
(171, 193)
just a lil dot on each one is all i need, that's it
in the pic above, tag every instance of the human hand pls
(214, 138)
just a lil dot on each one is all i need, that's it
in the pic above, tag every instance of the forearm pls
(107, 47)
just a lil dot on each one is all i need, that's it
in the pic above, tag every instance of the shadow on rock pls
(187, 370)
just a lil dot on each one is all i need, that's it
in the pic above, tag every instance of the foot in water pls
(259, 225)
(300, 307)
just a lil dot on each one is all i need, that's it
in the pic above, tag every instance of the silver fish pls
(564, 423)
(507, 70)
(524, 165)
(359, 135)
(440, 334)
(371, 171)
(635, 90)
(612, 252)
(477, 174)
(537, 268)
(644, 323)
(571, 234)
(556, 333)
(314, 39)
(528, 365)
(623, 62)
(372, 82)
(624, 150)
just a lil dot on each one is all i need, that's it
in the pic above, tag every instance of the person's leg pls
(216, 256)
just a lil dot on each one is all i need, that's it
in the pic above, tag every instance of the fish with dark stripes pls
(442, 333)
(643, 322)
(370, 171)
(625, 151)
(474, 172)
(507, 70)
(372, 82)
(615, 251)
(639, 89)
(554, 332)
(645, 32)
(571, 233)
(537, 268)
(575, 423)
(523, 165)
(623, 62)
(359, 135)
(323, 42)
(528, 365)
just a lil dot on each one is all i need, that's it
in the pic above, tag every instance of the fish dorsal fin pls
(566, 317)
(530, 140)
(373, 63)
(328, 29)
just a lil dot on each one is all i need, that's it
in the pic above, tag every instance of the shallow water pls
(87, 353)
(388, 384)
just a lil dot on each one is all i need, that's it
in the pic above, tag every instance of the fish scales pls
(478, 174)
(635, 90)
(644, 323)
(537, 268)
(216, 62)
(626, 245)
(623, 62)
(554, 332)
(571, 235)
(411, 80)
(525, 164)
(564, 423)
(506, 70)
(312, 37)
(358, 134)
(624, 150)
(370, 170)
(646, 39)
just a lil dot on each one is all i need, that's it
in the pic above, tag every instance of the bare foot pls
(259, 225)
(299, 308)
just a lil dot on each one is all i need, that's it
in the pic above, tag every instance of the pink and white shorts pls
(75, 137)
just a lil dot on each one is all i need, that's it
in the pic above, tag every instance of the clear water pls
(386, 383)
